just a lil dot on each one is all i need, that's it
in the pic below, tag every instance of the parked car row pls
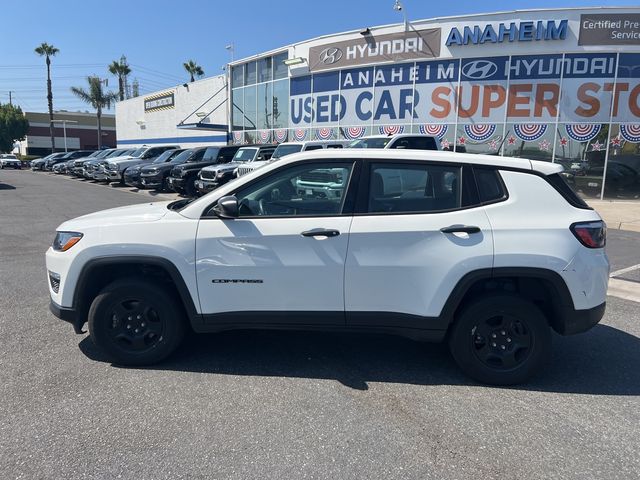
(196, 171)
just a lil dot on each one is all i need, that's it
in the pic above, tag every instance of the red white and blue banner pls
(264, 136)
(353, 133)
(391, 129)
(238, 137)
(280, 135)
(583, 132)
(630, 132)
(480, 133)
(529, 132)
(437, 131)
(300, 134)
(324, 133)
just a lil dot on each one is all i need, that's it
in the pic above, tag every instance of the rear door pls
(414, 235)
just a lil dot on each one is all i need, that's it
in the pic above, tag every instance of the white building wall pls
(136, 127)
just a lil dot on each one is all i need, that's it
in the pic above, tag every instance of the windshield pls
(380, 142)
(184, 156)
(164, 156)
(244, 155)
(283, 150)
(139, 151)
(101, 154)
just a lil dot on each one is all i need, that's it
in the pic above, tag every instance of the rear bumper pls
(69, 315)
(579, 321)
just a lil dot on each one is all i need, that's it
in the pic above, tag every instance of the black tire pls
(190, 187)
(136, 322)
(500, 339)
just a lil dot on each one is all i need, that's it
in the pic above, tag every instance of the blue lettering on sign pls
(522, 31)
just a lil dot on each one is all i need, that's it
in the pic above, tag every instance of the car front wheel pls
(500, 339)
(136, 322)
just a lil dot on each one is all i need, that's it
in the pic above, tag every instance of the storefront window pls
(237, 76)
(264, 70)
(265, 103)
(250, 108)
(623, 164)
(250, 77)
(530, 140)
(280, 108)
(485, 138)
(237, 112)
(280, 70)
(581, 149)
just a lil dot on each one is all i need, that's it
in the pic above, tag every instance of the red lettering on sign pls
(550, 102)
(439, 97)
(634, 104)
(584, 97)
(492, 97)
(473, 107)
(515, 100)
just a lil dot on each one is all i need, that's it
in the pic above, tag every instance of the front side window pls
(302, 190)
(405, 188)
(374, 142)
(211, 153)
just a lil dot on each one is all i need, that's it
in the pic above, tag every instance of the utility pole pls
(10, 103)
(127, 92)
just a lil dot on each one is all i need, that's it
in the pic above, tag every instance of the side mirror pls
(227, 207)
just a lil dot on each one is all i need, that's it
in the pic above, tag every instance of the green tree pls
(48, 51)
(120, 70)
(193, 69)
(98, 98)
(13, 126)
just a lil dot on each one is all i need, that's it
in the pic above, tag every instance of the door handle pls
(460, 229)
(321, 232)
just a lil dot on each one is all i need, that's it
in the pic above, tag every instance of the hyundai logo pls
(479, 69)
(330, 55)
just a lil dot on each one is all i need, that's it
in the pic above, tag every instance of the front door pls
(282, 260)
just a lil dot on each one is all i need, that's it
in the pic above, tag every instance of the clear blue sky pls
(157, 36)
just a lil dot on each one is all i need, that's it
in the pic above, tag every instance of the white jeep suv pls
(490, 254)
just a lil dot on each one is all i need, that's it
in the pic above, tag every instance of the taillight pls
(591, 234)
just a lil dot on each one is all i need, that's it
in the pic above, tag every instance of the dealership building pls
(559, 85)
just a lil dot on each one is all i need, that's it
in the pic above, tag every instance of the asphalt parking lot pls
(291, 405)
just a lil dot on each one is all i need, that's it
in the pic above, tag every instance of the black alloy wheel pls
(500, 339)
(136, 322)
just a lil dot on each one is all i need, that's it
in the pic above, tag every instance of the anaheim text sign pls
(369, 49)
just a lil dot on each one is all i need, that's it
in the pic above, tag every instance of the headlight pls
(65, 240)
(221, 174)
(111, 166)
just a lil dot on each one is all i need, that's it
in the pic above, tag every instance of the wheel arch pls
(543, 287)
(100, 271)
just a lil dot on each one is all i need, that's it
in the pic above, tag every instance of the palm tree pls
(97, 98)
(120, 70)
(48, 51)
(192, 69)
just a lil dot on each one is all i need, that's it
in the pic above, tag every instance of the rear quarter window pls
(490, 185)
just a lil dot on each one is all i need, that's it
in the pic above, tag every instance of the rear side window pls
(557, 181)
(490, 187)
(416, 143)
(313, 147)
(405, 188)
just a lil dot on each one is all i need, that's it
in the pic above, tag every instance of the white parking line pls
(624, 289)
(617, 273)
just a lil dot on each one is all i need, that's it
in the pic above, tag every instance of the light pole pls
(398, 7)
(64, 129)
(231, 49)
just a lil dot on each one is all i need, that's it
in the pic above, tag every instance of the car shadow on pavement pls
(4, 186)
(603, 361)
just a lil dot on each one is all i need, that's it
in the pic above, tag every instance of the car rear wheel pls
(500, 339)
(136, 322)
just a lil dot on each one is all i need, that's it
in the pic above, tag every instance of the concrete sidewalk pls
(619, 215)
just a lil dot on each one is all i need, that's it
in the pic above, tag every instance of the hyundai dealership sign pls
(526, 31)
(536, 88)
(376, 48)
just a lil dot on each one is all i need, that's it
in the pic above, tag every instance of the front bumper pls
(132, 180)
(16, 165)
(206, 186)
(151, 181)
(176, 184)
(68, 315)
